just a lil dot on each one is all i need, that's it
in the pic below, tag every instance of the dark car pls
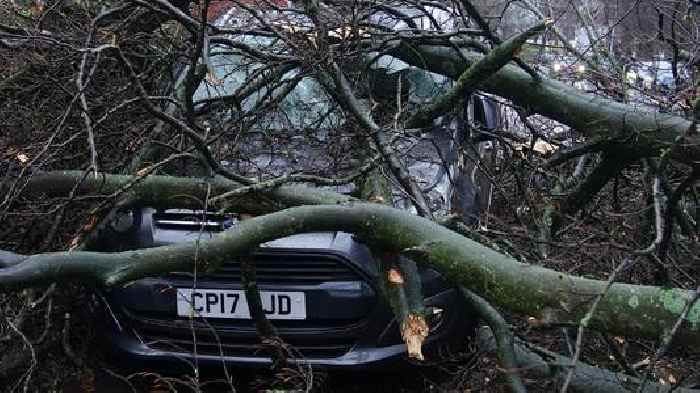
(319, 290)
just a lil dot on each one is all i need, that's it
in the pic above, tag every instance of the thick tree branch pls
(401, 282)
(584, 192)
(184, 192)
(472, 76)
(265, 329)
(551, 296)
(8, 258)
(562, 155)
(481, 22)
(402, 287)
(644, 133)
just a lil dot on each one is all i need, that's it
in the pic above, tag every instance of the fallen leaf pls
(641, 363)
(87, 381)
(394, 276)
(672, 379)
(213, 80)
(376, 199)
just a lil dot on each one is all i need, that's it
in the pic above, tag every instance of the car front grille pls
(247, 347)
(286, 269)
(318, 338)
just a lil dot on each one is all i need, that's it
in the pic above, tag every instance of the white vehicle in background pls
(654, 75)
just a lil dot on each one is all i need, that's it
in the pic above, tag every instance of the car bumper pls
(128, 348)
(130, 351)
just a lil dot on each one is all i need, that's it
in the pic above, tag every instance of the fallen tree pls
(553, 297)
(547, 296)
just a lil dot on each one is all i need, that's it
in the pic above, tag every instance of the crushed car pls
(320, 290)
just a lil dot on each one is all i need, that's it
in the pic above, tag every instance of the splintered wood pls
(414, 330)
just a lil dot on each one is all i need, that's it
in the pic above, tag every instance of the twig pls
(67, 348)
(483, 25)
(199, 141)
(28, 374)
(10, 194)
(565, 42)
(585, 320)
(619, 356)
(79, 81)
(343, 92)
(47, 316)
(121, 378)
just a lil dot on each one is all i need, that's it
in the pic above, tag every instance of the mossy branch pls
(179, 192)
(551, 296)
(472, 76)
(401, 282)
(642, 133)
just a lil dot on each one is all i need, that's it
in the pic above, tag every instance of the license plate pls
(232, 304)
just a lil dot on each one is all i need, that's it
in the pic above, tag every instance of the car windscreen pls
(305, 105)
